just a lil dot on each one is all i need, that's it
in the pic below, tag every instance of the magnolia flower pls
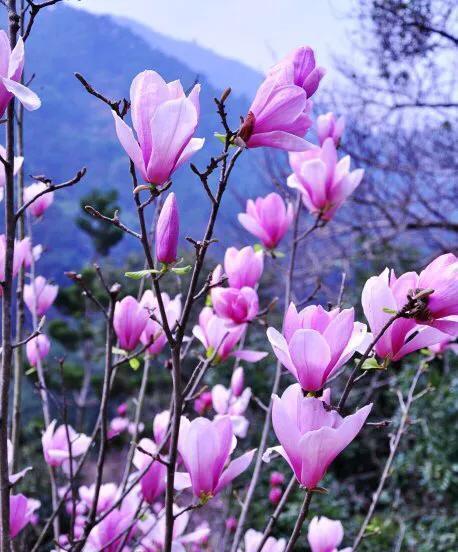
(152, 483)
(117, 426)
(327, 126)
(39, 205)
(243, 267)
(56, 442)
(153, 334)
(276, 479)
(164, 120)
(167, 231)
(235, 305)
(22, 510)
(11, 67)
(154, 530)
(310, 435)
(37, 349)
(279, 116)
(316, 343)
(203, 403)
(237, 381)
(160, 426)
(18, 161)
(225, 402)
(385, 294)
(323, 182)
(448, 344)
(22, 251)
(130, 319)
(217, 337)
(275, 495)
(39, 295)
(267, 218)
(205, 447)
(106, 498)
(325, 535)
(253, 539)
(14, 477)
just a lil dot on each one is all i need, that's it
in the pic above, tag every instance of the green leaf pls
(208, 301)
(134, 363)
(181, 270)
(388, 311)
(30, 371)
(220, 137)
(371, 364)
(139, 274)
(258, 247)
(278, 254)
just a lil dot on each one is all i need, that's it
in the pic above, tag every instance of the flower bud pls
(167, 231)
(231, 524)
(276, 479)
(37, 349)
(275, 495)
(237, 381)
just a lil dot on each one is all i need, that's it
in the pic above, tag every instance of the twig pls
(299, 521)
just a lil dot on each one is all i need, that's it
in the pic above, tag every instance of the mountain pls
(72, 129)
(219, 71)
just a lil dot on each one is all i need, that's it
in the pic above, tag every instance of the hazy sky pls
(254, 31)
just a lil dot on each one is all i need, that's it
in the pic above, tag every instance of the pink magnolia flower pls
(122, 409)
(238, 381)
(205, 447)
(323, 182)
(267, 218)
(37, 349)
(22, 250)
(18, 161)
(154, 529)
(235, 305)
(39, 295)
(112, 530)
(405, 335)
(152, 483)
(243, 267)
(118, 425)
(56, 444)
(107, 496)
(14, 477)
(231, 524)
(327, 126)
(276, 479)
(153, 332)
(164, 120)
(215, 335)
(279, 116)
(130, 319)
(311, 437)
(11, 67)
(22, 510)
(226, 403)
(167, 231)
(299, 68)
(39, 206)
(203, 403)
(160, 426)
(325, 535)
(275, 495)
(253, 539)
(316, 343)
(448, 344)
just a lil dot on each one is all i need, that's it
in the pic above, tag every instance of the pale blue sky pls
(256, 32)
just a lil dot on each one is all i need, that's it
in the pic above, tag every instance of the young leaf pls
(139, 274)
(134, 363)
(181, 270)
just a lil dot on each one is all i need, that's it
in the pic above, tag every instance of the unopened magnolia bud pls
(237, 381)
(167, 231)
(275, 494)
(276, 479)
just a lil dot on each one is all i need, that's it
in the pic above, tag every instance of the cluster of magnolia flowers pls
(314, 344)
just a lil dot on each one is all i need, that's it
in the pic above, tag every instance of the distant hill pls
(72, 129)
(219, 71)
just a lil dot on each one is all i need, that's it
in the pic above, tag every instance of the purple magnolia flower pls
(203, 403)
(39, 206)
(323, 182)
(56, 444)
(153, 332)
(225, 402)
(215, 335)
(130, 319)
(325, 535)
(253, 538)
(279, 116)
(275, 495)
(205, 447)
(267, 218)
(328, 126)
(37, 349)
(154, 529)
(316, 343)
(22, 511)
(152, 483)
(276, 479)
(384, 294)
(167, 231)
(11, 67)
(164, 120)
(108, 494)
(39, 295)
(310, 435)
(235, 305)
(243, 267)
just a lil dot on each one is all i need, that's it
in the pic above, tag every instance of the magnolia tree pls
(170, 477)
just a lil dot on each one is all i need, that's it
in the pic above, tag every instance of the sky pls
(256, 32)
